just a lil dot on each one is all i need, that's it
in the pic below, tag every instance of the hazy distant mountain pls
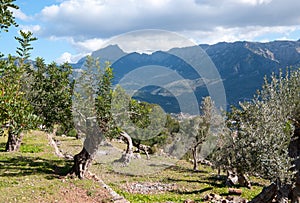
(241, 65)
(110, 53)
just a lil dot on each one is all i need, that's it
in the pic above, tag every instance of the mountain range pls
(241, 66)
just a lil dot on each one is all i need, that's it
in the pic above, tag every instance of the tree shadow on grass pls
(209, 180)
(186, 170)
(192, 192)
(2, 146)
(24, 166)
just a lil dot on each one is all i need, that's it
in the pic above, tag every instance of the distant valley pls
(242, 67)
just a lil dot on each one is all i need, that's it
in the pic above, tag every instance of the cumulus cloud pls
(87, 24)
(18, 13)
(103, 18)
(247, 33)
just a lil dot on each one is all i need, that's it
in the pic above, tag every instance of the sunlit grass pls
(36, 174)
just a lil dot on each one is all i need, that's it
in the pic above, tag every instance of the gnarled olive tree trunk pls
(126, 158)
(84, 159)
(13, 142)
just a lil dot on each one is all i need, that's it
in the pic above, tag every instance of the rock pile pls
(149, 187)
(219, 199)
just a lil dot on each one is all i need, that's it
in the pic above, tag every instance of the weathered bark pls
(296, 191)
(194, 153)
(267, 195)
(195, 162)
(283, 194)
(234, 178)
(141, 148)
(126, 158)
(83, 160)
(244, 181)
(128, 141)
(54, 145)
(13, 142)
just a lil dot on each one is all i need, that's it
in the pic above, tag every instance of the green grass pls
(36, 174)
(190, 184)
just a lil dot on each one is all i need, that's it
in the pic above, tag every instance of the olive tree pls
(91, 111)
(261, 132)
(206, 127)
(137, 121)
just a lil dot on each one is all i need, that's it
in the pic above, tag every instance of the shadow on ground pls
(26, 165)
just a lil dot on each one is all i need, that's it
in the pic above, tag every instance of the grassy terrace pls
(36, 174)
(182, 181)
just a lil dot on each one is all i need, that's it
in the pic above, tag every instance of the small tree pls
(91, 111)
(262, 131)
(137, 121)
(16, 113)
(208, 125)
(51, 94)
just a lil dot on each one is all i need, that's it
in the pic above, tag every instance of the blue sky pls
(69, 29)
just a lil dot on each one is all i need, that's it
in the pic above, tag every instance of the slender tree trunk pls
(13, 142)
(194, 152)
(129, 149)
(244, 180)
(195, 162)
(84, 159)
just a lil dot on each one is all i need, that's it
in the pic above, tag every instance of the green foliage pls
(25, 44)
(16, 113)
(51, 94)
(92, 96)
(262, 130)
(103, 101)
(6, 15)
(141, 120)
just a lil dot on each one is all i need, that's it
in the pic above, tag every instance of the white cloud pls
(253, 2)
(68, 57)
(32, 28)
(87, 24)
(20, 15)
(102, 18)
(249, 33)
(89, 44)
(65, 57)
